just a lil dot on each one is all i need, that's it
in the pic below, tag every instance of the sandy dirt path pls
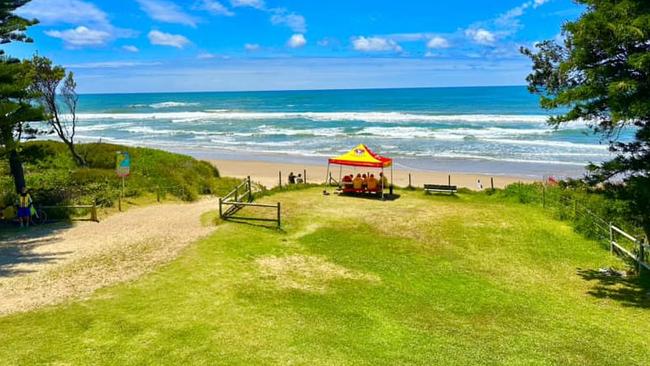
(50, 264)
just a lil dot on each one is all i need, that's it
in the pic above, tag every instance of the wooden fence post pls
(611, 238)
(641, 256)
(279, 219)
(158, 194)
(220, 209)
(280, 179)
(304, 174)
(410, 186)
(250, 189)
(93, 213)
(492, 183)
(449, 180)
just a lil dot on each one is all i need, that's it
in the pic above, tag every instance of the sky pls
(121, 46)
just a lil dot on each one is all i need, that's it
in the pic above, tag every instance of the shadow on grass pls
(387, 197)
(255, 223)
(17, 245)
(629, 291)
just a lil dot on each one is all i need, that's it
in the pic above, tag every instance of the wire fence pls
(619, 241)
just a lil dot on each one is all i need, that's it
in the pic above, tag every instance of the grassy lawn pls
(420, 280)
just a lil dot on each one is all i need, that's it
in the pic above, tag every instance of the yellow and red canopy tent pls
(361, 156)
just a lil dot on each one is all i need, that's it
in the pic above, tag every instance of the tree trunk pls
(16, 169)
(79, 160)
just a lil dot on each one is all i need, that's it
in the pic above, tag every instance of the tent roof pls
(362, 156)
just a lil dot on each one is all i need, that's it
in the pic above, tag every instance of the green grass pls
(420, 280)
(54, 178)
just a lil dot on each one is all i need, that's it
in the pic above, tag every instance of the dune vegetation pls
(55, 179)
(466, 279)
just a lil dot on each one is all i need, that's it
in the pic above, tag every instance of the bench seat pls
(439, 188)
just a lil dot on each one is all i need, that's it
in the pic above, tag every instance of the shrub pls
(54, 178)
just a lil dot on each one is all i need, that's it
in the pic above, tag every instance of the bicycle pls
(38, 217)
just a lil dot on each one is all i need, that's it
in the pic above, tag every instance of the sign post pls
(123, 169)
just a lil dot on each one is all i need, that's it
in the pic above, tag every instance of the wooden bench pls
(440, 188)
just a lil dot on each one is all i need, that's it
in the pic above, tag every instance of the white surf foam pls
(162, 105)
(376, 117)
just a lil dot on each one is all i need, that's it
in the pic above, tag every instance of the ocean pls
(491, 130)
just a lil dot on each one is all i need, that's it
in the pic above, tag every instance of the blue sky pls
(202, 45)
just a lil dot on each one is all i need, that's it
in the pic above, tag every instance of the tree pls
(16, 109)
(46, 82)
(13, 27)
(601, 74)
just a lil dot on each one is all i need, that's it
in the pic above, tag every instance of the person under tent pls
(373, 184)
(347, 182)
(357, 183)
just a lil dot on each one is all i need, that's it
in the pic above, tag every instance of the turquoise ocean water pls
(493, 130)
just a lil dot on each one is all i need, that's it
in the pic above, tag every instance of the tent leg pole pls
(327, 176)
(391, 180)
(382, 183)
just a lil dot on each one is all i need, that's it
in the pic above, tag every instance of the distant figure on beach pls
(291, 178)
(24, 207)
(479, 185)
(299, 180)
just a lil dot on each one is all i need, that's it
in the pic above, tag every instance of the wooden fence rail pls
(619, 241)
(231, 203)
(92, 208)
(639, 257)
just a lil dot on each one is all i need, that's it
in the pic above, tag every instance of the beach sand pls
(266, 173)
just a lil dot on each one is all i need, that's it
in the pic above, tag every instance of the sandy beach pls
(267, 174)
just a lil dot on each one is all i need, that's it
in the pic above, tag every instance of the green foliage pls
(601, 74)
(13, 27)
(56, 92)
(590, 210)
(54, 177)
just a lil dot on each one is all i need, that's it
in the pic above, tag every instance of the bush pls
(590, 210)
(54, 179)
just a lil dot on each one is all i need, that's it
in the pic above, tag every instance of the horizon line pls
(308, 90)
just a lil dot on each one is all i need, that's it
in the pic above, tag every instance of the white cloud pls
(292, 20)
(375, 44)
(505, 25)
(91, 25)
(50, 12)
(257, 4)
(168, 39)
(167, 12)
(206, 56)
(297, 41)
(215, 7)
(538, 3)
(130, 48)
(80, 37)
(481, 36)
(111, 64)
(251, 47)
(438, 42)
